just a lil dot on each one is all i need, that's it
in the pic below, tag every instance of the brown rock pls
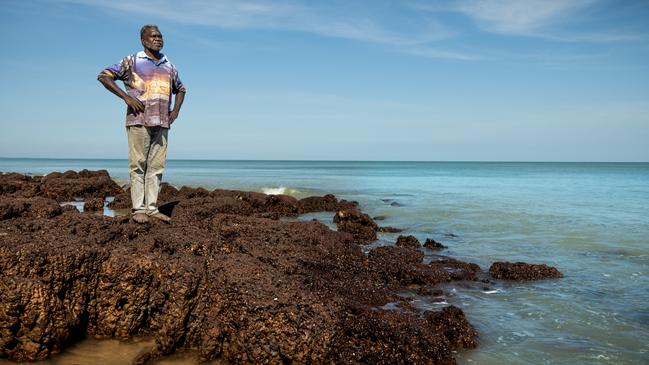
(387, 229)
(408, 241)
(223, 278)
(521, 271)
(93, 204)
(433, 245)
(457, 270)
(36, 207)
(360, 225)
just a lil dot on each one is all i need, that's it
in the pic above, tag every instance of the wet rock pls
(93, 204)
(387, 229)
(457, 330)
(429, 291)
(521, 271)
(379, 218)
(69, 208)
(386, 337)
(408, 241)
(452, 235)
(360, 225)
(396, 204)
(282, 204)
(394, 264)
(327, 203)
(457, 270)
(433, 245)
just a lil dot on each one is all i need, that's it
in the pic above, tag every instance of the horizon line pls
(321, 160)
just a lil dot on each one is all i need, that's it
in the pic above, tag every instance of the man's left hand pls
(172, 116)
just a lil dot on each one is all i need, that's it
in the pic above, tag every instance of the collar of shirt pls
(162, 59)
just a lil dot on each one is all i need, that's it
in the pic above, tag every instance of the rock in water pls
(433, 245)
(408, 241)
(521, 271)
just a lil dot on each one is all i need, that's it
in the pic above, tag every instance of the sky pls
(464, 80)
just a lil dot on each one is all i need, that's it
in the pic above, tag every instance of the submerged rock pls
(521, 271)
(387, 229)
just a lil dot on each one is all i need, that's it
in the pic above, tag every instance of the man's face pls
(152, 40)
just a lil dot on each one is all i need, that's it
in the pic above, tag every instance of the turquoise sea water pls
(590, 220)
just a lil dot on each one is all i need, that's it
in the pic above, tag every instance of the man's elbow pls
(105, 76)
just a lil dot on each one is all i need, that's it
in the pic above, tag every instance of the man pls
(150, 79)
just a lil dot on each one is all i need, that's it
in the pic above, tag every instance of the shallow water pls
(588, 219)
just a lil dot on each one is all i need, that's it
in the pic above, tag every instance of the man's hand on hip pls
(173, 115)
(134, 105)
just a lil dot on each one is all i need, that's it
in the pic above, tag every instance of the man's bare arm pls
(180, 97)
(107, 79)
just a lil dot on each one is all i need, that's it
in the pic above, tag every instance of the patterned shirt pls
(150, 81)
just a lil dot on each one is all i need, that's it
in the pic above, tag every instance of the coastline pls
(254, 287)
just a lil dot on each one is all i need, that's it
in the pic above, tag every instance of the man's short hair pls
(147, 27)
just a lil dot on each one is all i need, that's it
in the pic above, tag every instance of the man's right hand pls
(134, 105)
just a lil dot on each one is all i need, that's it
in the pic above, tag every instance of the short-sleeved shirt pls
(150, 81)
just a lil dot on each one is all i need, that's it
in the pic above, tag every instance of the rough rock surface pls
(408, 241)
(226, 279)
(433, 245)
(457, 270)
(388, 229)
(59, 186)
(327, 203)
(521, 271)
(93, 204)
(360, 225)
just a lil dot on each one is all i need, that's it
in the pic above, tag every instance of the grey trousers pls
(147, 152)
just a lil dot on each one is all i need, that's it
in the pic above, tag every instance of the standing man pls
(150, 79)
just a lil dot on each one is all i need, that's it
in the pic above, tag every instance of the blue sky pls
(514, 80)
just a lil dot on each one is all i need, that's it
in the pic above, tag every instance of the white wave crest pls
(279, 190)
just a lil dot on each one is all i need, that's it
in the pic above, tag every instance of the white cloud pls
(548, 19)
(353, 21)
(260, 14)
(520, 16)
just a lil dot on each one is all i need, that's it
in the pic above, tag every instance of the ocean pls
(590, 220)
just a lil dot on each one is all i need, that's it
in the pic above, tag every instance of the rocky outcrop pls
(521, 271)
(360, 225)
(226, 279)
